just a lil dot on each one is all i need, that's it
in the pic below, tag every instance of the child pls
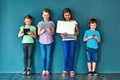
(28, 32)
(69, 44)
(92, 38)
(46, 40)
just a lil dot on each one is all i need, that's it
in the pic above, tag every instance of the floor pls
(18, 76)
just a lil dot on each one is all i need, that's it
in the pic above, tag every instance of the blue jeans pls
(92, 55)
(28, 51)
(45, 54)
(69, 52)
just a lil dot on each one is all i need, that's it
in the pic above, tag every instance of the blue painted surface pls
(106, 11)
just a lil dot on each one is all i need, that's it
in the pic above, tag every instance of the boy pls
(92, 38)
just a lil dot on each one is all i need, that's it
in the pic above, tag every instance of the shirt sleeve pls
(21, 28)
(98, 35)
(53, 24)
(38, 25)
(85, 35)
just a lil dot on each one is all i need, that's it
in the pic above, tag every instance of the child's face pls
(27, 21)
(93, 26)
(46, 15)
(67, 16)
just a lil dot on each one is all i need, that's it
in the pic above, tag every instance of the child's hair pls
(93, 20)
(67, 10)
(28, 17)
(48, 11)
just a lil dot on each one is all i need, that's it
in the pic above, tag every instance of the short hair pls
(93, 20)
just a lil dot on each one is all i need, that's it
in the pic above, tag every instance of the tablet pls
(26, 30)
(44, 25)
(64, 26)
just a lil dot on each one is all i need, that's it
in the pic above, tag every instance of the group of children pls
(91, 37)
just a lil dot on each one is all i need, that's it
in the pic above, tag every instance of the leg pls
(48, 53)
(25, 50)
(65, 49)
(42, 48)
(89, 64)
(94, 58)
(89, 59)
(93, 66)
(30, 54)
(72, 54)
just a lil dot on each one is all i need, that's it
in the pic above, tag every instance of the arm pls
(63, 34)
(98, 40)
(40, 31)
(32, 34)
(20, 34)
(85, 39)
(76, 31)
(51, 30)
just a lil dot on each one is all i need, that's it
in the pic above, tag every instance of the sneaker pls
(64, 73)
(43, 73)
(72, 73)
(25, 72)
(90, 73)
(28, 72)
(47, 73)
(95, 73)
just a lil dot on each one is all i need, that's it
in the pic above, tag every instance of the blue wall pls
(106, 11)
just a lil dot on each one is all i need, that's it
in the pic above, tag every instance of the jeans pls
(92, 55)
(28, 51)
(45, 54)
(69, 52)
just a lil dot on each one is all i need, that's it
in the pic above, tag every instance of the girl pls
(69, 44)
(28, 32)
(46, 40)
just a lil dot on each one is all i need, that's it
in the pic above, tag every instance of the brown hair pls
(93, 20)
(67, 10)
(48, 11)
(28, 17)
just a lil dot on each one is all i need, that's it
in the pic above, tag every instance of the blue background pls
(106, 11)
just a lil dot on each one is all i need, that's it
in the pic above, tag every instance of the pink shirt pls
(46, 37)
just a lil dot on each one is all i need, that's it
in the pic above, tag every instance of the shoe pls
(95, 73)
(28, 72)
(47, 73)
(90, 73)
(25, 72)
(72, 73)
(43, 73)
(64, 73)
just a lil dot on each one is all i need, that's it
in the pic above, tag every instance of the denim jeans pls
(28, 51)
(69, 52)
(45, 54)
(92, 55)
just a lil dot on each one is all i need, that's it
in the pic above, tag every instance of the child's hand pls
(90, 37)
(29, 33)
(43, 30)
(95, 37)
(22, 34)
(64, 34)
(48, 29)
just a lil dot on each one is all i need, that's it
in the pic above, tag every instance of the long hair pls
(67, 10)
(48, 11)
(28, 17)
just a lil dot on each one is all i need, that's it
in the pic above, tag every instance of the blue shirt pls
(92, 43)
